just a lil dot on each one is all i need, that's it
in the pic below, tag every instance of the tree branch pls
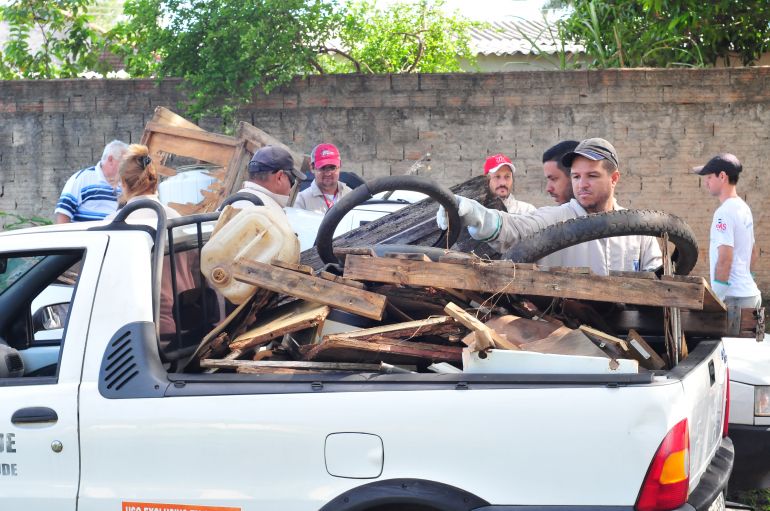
(420, 50)
(356, 63)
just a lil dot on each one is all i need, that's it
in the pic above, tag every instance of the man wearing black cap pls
(272, 173)
(731, 242)
(594, 173)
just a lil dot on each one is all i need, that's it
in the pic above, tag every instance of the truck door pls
(46, 297)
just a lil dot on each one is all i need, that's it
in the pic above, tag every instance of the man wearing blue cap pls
(272, 173)
(594, 170)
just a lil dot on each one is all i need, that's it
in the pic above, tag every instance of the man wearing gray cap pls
(595, 173)
(272, 173)
(732, 251)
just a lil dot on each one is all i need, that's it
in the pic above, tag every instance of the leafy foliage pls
(225, 48)
(68, 43)
(404, 38)
(662, 33)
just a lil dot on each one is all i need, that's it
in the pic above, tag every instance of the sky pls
(490, 10)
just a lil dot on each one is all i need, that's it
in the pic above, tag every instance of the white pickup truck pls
(106, 426)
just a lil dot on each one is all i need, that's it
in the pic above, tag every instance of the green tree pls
(224, 50)
(50, 39)
(661, 33)
(404, 38)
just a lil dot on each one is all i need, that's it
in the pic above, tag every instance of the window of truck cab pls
(36, 289)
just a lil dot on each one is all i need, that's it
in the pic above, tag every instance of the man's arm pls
(724, 263)
(62, 219)
(515, 227)
(754, 256)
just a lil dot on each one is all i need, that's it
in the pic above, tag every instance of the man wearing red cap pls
(499, 171)
(326, 189)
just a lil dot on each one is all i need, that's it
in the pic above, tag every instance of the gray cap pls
(594, 149)
(272, 159)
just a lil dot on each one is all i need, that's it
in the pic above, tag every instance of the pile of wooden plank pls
(418, 315)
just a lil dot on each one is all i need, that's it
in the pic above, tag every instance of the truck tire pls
(432, 189)
(625, 222)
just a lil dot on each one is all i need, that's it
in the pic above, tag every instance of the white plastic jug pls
(255, 233)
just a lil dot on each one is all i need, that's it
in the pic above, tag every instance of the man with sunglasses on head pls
(271, 175)
(326, 189)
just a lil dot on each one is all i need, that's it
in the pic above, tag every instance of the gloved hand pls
(482, 223)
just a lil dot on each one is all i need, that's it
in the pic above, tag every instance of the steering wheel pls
(361, 194)
(626, 222)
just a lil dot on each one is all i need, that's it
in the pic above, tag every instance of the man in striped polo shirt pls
(92, 193)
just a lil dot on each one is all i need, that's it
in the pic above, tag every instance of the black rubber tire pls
(627, 222)
(363, 193)
(239, 197)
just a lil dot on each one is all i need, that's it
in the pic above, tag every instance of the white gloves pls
(483, 224)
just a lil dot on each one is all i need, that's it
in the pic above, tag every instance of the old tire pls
(361, 194)
(627, 222)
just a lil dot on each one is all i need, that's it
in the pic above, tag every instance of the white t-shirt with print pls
(733, 226)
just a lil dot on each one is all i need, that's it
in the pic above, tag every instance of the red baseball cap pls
(323, 155)
(496, 161)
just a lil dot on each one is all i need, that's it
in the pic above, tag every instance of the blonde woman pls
(139, 180)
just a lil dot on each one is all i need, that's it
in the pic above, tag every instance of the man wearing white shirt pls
(594, 170)
(732, 251)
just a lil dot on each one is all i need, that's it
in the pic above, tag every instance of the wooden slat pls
(308, 287)
(291, 318)
(387, 350)
(301, 268)
(487, 337)
(192, 134)
(289, 364)
(166, 117)
(511, 278)
(643, 353)
(340, 280)
(600, 336)
(440, 325)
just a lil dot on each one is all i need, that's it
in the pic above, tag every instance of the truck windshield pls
(14, 268)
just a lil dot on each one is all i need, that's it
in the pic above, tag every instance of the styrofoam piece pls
(528, 362)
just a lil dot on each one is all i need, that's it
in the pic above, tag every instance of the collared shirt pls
(620, 253)
(274, 201)
(87, 195)
(313, 199)
(516, 206)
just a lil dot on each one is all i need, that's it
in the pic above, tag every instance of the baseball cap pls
(724, 162)
(594, 149)
(496, 161)
(272, 159)
(323, 155)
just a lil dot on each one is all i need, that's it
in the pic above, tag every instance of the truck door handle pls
(34, 415)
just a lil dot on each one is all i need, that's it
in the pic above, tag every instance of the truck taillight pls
(668, 479)
(727, 406)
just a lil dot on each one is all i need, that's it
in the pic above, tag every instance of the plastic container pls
(255, 233)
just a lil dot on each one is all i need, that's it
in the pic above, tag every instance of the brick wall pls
(661, 121)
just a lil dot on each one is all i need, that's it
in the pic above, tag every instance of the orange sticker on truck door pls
(152, 506)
